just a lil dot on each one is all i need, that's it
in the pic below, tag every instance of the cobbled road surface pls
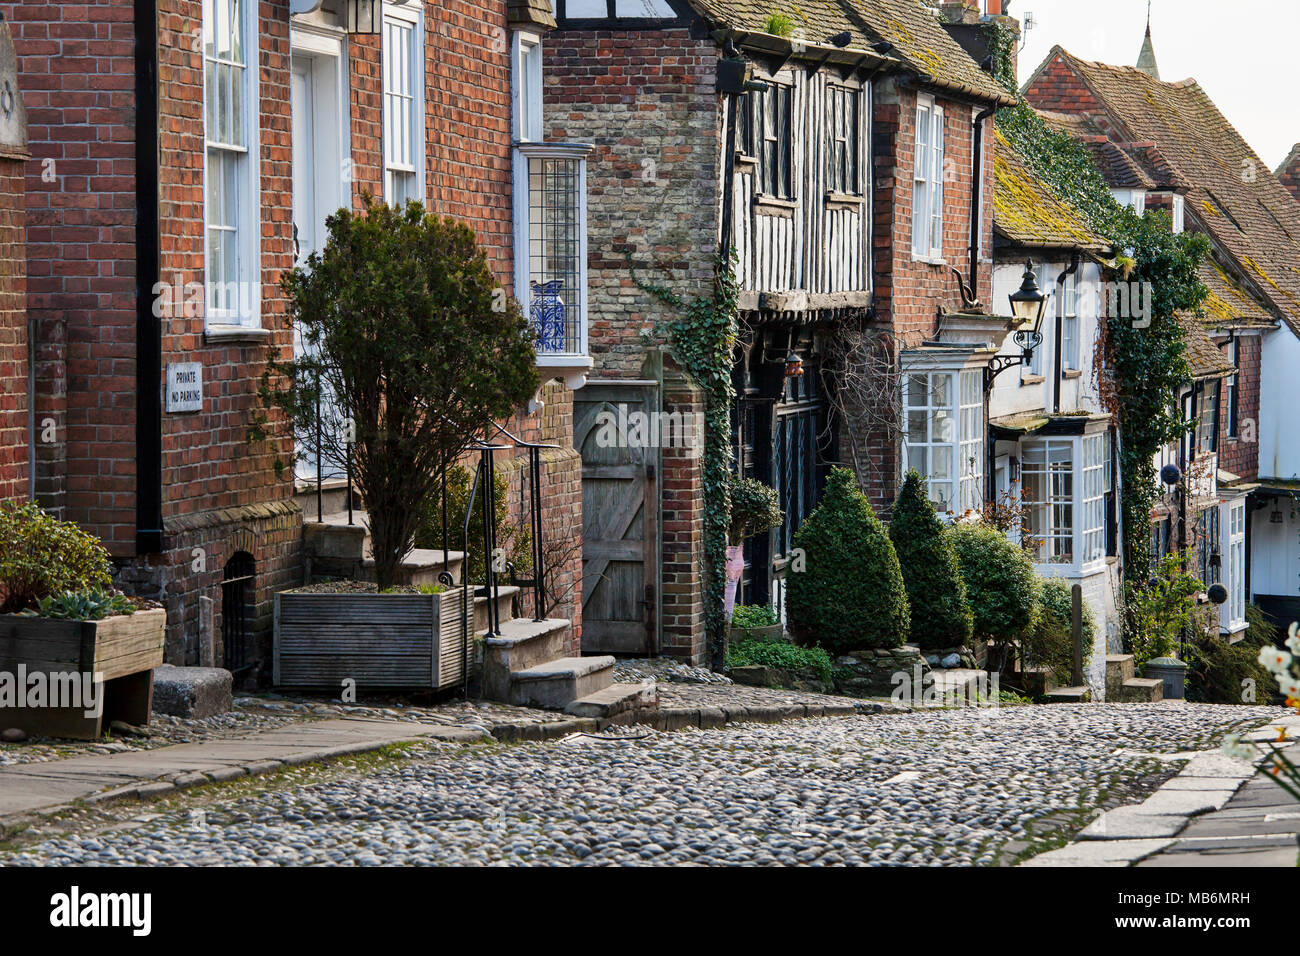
(935, 788)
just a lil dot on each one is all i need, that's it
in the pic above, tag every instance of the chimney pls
(994, 8)
(960, 11)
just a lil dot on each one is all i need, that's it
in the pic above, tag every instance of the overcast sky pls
(1244, 53)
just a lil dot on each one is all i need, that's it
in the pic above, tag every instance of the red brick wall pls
(13, 332)
(910, 294)
(1059, 89)
(76, 68)
(1240, 455)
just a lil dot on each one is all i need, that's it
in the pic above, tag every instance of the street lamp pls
(1027, 304)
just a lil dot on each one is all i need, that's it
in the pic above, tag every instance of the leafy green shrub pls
(850, 594)
(1159, 611)
(1050, 642)
(1001, 585)
(1219, 672)
(406, 336)
(92, 605)
(755, 508)
(778, 654)
(754, 615)
(41, 556)
(515, 542)
(936, 594)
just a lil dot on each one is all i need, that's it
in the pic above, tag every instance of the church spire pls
(1147, 58)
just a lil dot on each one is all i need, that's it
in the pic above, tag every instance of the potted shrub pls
(936, 594)
(851, 595)
(756, 622)
(95, 647)
(410, 354)
(755, 509)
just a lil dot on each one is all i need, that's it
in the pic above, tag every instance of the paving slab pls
(1128, 823)
(28, 787)
(1185, 803)
(1099, 853)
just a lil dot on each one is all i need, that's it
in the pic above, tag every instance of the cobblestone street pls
(945, 787)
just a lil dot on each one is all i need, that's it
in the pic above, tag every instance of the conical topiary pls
(936, 594)
(844, 588)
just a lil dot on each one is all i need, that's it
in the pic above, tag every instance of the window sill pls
(835, 200)
(930, 260)
(236, 335)
(572, 368)
(766, 205)
(1071, 373)
(1026, 380)
(746, 163)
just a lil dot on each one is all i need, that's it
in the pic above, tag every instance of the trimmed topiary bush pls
(1001, 585)
(936, 594)
(849, 594)
(41, 556)
(1049, 642)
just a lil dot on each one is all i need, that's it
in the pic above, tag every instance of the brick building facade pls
(120, 240)
(15, 466)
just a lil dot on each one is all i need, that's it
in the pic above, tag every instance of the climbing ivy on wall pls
(1146, 366)
(702, 335)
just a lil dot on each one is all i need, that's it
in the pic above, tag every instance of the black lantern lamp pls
(364, 16)
(1027, 304)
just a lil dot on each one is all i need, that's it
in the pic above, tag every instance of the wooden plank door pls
(620, 517)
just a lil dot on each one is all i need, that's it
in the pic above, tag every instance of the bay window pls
(1065, 483)
(550, 213)
(403, 82)
(944, 436)
(230, 208)
(927, 181)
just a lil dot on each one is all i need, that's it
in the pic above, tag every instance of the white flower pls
(1289, 686)
(1293, 641)
(1275, 660)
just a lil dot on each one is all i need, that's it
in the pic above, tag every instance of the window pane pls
(916, 426)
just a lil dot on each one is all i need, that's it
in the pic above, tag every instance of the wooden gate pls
(620, 520)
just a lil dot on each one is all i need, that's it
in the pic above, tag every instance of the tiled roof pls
(1250, 216)
(1027, 211)
(1230, 304)
(1117, 166)
(919, 39)
(1205, 359)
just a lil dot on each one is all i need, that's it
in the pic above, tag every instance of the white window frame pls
(953, 417)
(1070, 324)
(526, 87)
(1047, 286)
(411, 169)
(1179, 214)
(927, 181)
(1073, 516)
(1232, 527)
(241, 148)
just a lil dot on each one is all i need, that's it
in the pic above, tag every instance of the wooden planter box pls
(123, 650)
(377, 640)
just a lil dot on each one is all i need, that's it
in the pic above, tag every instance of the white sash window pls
(403, 105)
(927, 186)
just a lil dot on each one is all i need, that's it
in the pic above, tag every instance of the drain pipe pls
(1056, 345)
(148, 340)
(977, 175)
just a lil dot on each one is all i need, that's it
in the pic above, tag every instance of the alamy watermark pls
(70, 690)
(622, 427)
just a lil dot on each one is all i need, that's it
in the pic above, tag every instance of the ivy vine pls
(702, 336)
(1145, 366)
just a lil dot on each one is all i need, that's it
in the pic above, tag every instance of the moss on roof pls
(1026, 210)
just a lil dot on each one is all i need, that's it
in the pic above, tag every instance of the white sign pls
(185, 387)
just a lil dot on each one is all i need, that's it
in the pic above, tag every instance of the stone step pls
(555, 684)
(1140, 690)
(522, 644)
(958, 683)
(505, 607)
(615, 699)
(1119, 668)
(1068, 695)
(422, 566)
